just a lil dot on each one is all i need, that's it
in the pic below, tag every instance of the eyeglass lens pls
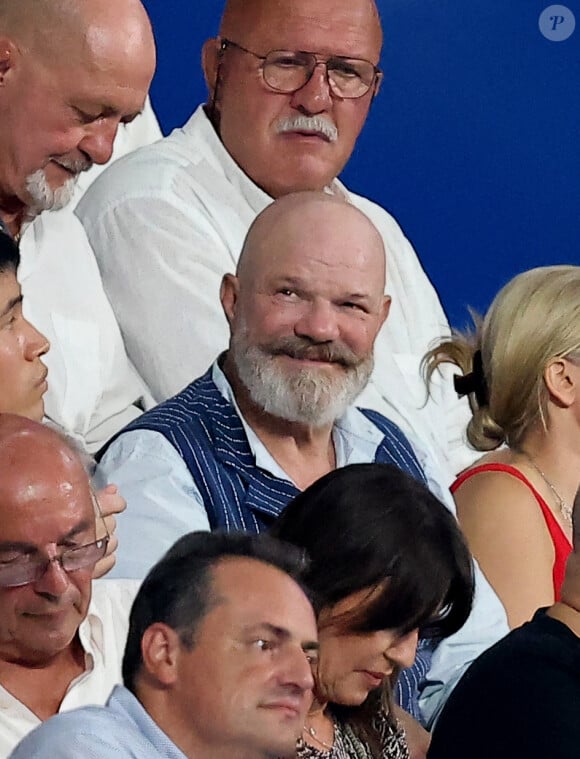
(288, 71)
(26, 569)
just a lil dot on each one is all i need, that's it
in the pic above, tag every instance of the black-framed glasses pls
(24, 568)
(289, 70)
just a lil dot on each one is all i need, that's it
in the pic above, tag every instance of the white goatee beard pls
(314, 397)
(43, 197)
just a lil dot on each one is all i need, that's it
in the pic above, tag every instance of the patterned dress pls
(347, 745)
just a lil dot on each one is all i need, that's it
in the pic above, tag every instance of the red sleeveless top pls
(562, 546)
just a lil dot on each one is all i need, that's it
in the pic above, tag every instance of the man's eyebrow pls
(19, 545)
(80, 527)
(282, 634)
(16, 545)
(279, 632)
(10, 305)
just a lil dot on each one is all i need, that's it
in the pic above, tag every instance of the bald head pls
(240, 17)
(35, 460)
(46, 511)
(80, 27)
(305, 221)
(70, 71)
(305, 308)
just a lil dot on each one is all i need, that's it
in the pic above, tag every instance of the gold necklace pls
(314, 735)
(565, 508)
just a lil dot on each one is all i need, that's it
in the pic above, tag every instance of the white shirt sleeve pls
(163, 502)
(152, 250)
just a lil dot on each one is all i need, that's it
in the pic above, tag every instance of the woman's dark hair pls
(9, 254)
(371, 526)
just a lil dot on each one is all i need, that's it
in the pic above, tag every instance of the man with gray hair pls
(61, 634)
(71, 71)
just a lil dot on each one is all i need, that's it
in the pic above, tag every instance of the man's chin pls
(47, 195)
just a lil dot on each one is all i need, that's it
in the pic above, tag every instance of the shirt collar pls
(355, 437)
(124, 702)
(254, 195)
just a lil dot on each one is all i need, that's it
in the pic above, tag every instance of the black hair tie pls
(474, 382)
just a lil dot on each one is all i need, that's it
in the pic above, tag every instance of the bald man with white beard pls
(71, 71)
(171, 217)
(277, 410)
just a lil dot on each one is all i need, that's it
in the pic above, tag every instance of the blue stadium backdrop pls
(473, 142)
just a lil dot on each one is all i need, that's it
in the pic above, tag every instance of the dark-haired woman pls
(387, 561)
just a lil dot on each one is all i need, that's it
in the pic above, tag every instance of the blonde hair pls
(532, 320)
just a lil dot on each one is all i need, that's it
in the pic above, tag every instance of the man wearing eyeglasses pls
(290, 88)
(61, 644)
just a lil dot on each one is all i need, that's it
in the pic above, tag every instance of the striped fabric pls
(208, 434)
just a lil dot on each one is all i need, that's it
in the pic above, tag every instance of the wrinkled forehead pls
(331, 28)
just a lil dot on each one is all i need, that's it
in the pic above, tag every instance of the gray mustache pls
(300, 348)
(309, 124)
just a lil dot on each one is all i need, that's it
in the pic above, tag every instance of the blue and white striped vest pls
(208, 434)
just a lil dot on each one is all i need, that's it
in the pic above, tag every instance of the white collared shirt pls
(168, 221)
(102, 634)
(94, 390)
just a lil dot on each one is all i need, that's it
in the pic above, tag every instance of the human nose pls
(403, 649)
(54, 579)
(314, 96)
(98, 140)
(36, 343)
(298, 670)
(318, 322)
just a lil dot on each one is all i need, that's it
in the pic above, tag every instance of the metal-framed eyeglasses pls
(289, 70)
(26, 568)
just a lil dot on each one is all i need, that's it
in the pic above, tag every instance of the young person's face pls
(22, 372)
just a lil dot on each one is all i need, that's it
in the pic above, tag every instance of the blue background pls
(473, 142)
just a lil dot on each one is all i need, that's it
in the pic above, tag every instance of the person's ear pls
(160, 648)
(229, 292)
(561, 382)
(210, 58)
(385, 308)
(8, 56)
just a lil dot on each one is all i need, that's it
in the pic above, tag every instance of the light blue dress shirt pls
(121, 729)
(164, 504)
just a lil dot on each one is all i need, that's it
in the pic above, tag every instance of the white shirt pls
(103, 635)
(94, 390)
(170, 219)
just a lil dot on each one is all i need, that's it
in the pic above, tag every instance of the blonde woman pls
(521, 371)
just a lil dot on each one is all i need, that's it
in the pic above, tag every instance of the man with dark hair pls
(520, 698)
(71, 71)
(217, 664)
(61, 635)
